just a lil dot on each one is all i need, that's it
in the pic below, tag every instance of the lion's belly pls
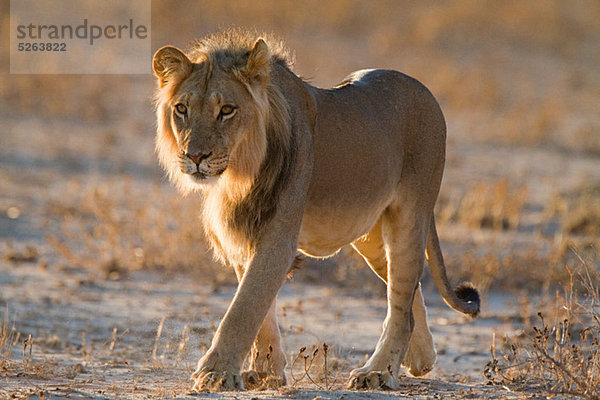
(325, 230)
(324, 240)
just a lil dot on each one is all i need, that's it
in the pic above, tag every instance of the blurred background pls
(518, 82)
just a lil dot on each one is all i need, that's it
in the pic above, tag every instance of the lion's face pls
(210, 118)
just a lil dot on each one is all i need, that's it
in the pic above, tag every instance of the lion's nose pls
(197, 158)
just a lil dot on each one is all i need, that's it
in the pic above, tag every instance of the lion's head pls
(214, 108)
(224, 127)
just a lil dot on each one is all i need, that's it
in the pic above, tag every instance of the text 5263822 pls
(44, 46)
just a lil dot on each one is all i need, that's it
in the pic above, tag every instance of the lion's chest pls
(228, 244)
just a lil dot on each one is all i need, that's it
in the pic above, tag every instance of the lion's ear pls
(169, 64)
(258, 65)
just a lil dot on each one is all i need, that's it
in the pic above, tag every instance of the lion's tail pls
(465, 297)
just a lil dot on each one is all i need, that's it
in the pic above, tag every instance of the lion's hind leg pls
(420, 356)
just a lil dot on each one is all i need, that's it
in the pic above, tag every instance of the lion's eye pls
(181, 108)
(227, 110)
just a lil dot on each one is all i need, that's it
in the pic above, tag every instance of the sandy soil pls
(97, 338)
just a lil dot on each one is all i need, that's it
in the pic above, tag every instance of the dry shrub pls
(320, 367)
(494, 205)
(116, 227)
(29, 366)
(29, 254)
(579, 212)
(560, 354)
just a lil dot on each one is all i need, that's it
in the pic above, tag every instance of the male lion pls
(284, 167)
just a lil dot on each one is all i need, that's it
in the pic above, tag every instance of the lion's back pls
(381, 88)
(373, 119)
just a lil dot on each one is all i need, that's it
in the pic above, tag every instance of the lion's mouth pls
(200, 176)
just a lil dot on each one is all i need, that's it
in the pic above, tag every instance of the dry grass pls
(28, 365)
(494, 212)
(534, 272)
(493, 205)
(579, 212)
(493, 271)
(115, 228)
(7, 337)
(561, 354)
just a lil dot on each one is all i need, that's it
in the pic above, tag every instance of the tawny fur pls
(290, 167)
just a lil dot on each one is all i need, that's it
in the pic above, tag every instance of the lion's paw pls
(217, 381)
(419, 368)
(419, 362)
(261, 380)
(372, 380)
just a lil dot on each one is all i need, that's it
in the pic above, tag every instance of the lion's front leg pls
(267, 358)
(220, 367)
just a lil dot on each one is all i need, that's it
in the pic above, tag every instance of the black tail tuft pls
(467, 292)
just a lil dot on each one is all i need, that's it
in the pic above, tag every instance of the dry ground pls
(107, 290)
(96, 338)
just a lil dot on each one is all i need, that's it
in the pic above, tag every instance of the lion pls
(286, 168)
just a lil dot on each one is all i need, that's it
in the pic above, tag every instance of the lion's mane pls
(260, 164)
